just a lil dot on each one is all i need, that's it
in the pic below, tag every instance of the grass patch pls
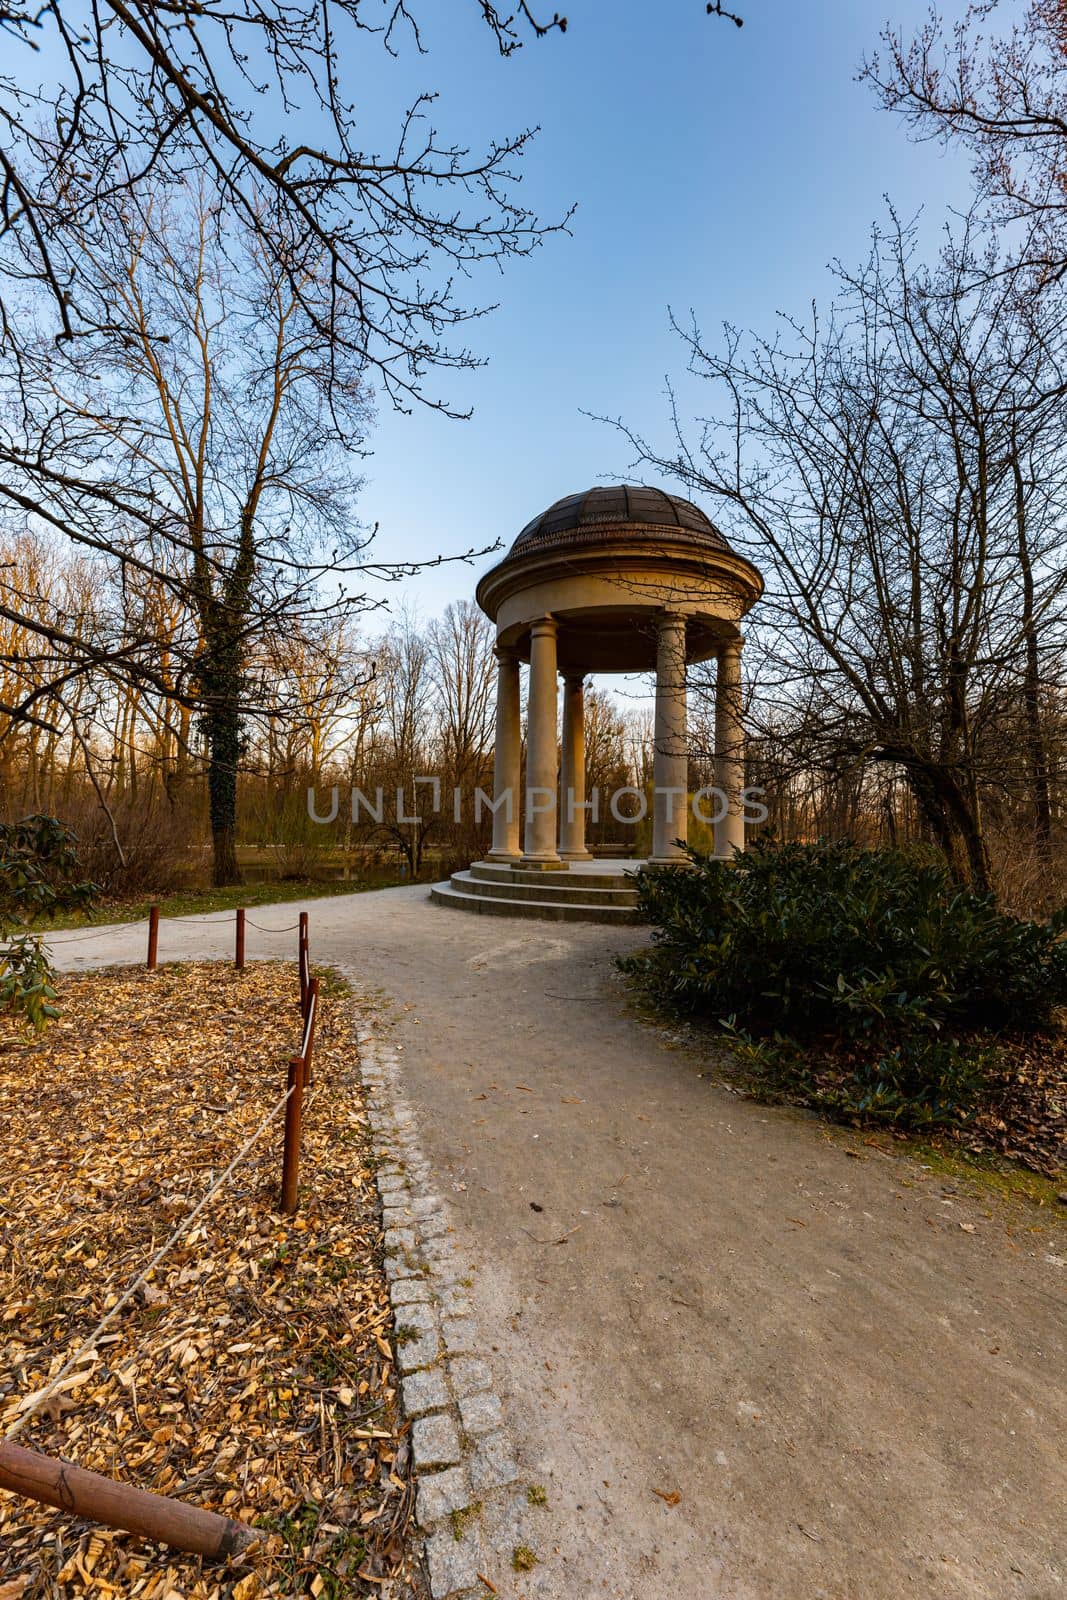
(462, 1518)
(327, 1557)
(986, 1174)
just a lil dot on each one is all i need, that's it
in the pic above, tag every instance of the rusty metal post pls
(239, 942)
(304, 958)
(153, 937)
(294, 1110)
(121, 1505)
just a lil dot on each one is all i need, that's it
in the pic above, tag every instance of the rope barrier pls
(299, 1074)
(34, 1402)
(217, 919)
(91, 933)
(123, 927)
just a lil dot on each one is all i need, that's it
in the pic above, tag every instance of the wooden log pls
(239, 943)
(153, 937)
(60, 1483)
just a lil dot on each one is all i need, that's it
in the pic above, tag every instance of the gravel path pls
(742, 1354)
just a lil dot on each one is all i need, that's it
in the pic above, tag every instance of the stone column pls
(729, 749)
(507, 756)
(572, 772)
(541, 764)
(670, 801)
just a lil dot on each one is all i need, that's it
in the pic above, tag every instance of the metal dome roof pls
(599, 514)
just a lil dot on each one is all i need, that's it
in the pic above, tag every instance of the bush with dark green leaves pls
(39, 877)
(866, 978)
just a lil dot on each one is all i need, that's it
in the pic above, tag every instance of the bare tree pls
(406, 747)
(463, 670)
(226, 91)
(640, 741)
(321, 670)
(607, 765)
(1003, 96)
(364, 249)
(359, 252)
(875, 468)
(203, 407)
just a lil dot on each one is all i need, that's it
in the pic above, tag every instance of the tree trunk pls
(223, 621)
(1037, 752)
(224, 749)
(932, 811)
(981, 871)
(955, 826)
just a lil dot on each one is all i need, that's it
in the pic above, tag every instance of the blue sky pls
(713, 168)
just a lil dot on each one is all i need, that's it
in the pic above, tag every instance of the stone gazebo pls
(612, 580)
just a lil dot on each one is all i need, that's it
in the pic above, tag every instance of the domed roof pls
(600, 514)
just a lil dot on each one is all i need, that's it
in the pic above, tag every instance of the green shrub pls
(38, 878)
(866, 976)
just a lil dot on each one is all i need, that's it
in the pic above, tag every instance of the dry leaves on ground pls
(1026, 1118)
(254, 1373)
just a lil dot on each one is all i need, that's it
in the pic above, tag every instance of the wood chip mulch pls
(254, 1374)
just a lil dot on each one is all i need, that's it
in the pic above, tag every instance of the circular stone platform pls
(587, 891)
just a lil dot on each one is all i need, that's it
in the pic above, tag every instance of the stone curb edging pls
(467, 1473)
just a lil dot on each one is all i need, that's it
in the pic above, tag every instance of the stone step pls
(491, 872)
(546, 887)
(558, 910)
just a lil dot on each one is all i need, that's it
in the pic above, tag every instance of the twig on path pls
(561, 1240)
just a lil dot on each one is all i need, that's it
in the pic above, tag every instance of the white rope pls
(215, 919)
(76, 938)
(34, 1402)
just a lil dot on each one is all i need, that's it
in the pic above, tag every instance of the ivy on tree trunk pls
(224, 620)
